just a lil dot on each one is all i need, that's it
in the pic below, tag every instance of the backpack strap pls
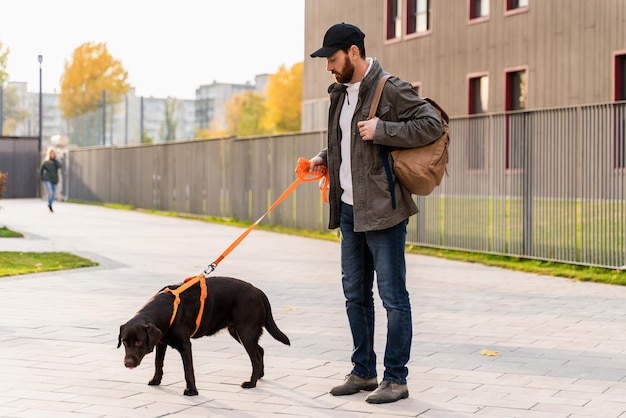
(377, 93)
(384, 150)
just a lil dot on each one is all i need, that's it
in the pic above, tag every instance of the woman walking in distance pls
(49, 173)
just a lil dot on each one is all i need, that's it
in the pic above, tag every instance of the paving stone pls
(561, 344)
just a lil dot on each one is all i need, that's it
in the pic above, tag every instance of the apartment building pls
(211, 101)
(480, 56)
(133, 120)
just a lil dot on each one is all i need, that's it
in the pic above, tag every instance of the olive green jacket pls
(406, 121)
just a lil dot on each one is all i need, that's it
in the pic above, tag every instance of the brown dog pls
(230, 303)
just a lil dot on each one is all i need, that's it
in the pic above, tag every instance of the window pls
(417, 16)
(516, 96)
(516, 4)
(414, 15)
(619, 127)
(478, 9)
(394, 19)
(516, 90)
(620, 77)
(477, 126)
(478, 94)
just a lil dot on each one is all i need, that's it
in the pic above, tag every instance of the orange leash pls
(303, 175)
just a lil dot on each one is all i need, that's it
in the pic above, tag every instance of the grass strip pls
(14, 262)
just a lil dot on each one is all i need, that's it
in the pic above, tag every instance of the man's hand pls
(367, 129)
(317, 165)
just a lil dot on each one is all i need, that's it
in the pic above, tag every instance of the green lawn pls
(7, 233)
(13, 262)
(591, 232)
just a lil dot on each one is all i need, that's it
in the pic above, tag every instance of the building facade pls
(480, 56)
(133, 120)
(211, 101)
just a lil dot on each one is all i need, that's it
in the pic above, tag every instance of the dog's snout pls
(131, 362)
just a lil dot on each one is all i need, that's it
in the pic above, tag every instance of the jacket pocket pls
(379, 195)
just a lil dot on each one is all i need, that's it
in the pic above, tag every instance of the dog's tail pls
(271, 326)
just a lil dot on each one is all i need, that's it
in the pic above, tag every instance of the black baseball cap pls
(340, 36)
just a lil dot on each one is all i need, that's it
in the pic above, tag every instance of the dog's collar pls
(189, 281)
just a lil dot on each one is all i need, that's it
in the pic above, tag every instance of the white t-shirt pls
(345, 124)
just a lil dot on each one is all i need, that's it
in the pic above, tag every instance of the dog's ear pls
(119, 337)
(154, 335)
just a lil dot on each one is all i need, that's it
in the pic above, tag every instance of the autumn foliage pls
(278, 110)
(244, 113)
(283, 104)
(4, 55)
(3, 182)
(91, 71)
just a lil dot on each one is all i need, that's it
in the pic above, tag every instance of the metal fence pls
(545, 184)
(20, 160)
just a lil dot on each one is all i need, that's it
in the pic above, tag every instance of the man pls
(373, 229)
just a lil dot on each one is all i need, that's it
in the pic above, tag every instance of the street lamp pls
(40, 59)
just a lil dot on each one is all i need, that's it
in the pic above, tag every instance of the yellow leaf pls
(486, 352)
(290, 308)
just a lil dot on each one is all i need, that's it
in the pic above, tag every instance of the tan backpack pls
(419, 169)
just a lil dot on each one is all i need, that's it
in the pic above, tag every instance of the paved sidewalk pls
(560, 343)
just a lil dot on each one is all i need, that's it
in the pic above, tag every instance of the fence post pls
(104, 117)
(527, 184)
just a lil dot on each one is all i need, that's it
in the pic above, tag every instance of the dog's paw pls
(248, 385)
(190, 392)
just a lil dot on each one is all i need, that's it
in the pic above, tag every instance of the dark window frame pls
(476, 147)
(474, 9)
(392, 13)
(619, 111)
(514, 6)
(514, 128)
(411, 18)
(474, 93)
(619, 80)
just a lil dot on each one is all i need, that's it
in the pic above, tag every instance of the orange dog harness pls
(189, 281)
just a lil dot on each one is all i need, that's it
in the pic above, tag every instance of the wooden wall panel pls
(567, 45)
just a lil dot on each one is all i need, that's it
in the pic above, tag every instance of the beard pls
(346, 73)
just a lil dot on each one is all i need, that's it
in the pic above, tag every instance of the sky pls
(168, 47)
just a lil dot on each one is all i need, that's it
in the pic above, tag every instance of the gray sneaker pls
(354, 384)
(388, 392)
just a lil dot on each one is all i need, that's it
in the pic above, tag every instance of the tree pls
(244, 113)
(214, 131)
(91, 70)
(284, 100)
(170, 119)
(13, 113)
(4, 57)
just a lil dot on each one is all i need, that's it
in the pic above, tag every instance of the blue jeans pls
(362, 254)
(51, 190)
